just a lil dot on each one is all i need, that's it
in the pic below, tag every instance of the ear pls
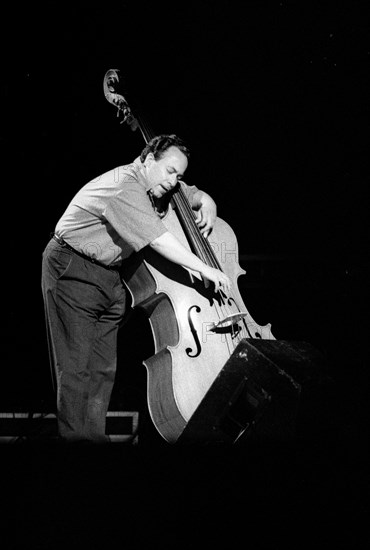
(149, 159)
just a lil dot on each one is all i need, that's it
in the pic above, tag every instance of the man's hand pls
(218, 278)
(170, 247)
(206, 212)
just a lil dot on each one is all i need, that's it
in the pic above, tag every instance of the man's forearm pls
(170, 248)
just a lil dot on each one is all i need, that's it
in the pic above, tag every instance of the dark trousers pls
(84, 305)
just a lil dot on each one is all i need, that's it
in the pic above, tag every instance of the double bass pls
(195, 329)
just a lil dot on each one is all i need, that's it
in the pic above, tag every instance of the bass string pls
(202, 244)
(145, 129)
(208, 255)
(192, 231)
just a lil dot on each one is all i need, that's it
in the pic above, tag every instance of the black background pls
(272, 98)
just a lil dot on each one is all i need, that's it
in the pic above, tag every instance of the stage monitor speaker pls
(256, 394)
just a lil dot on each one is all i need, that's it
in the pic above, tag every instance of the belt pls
(63, 243)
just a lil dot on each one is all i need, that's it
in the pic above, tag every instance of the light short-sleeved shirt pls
(112, 216)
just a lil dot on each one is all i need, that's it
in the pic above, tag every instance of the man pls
(110, 218)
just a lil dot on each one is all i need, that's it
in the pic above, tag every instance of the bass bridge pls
(228, 323)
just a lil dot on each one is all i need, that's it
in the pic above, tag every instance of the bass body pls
(195, 330)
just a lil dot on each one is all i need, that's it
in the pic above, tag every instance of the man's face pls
(164, 173)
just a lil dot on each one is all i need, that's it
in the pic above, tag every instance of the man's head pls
(165, 159)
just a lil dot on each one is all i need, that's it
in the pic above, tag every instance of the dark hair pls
(159, 144)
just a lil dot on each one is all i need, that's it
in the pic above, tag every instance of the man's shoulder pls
(116, 176)
(126, 172)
